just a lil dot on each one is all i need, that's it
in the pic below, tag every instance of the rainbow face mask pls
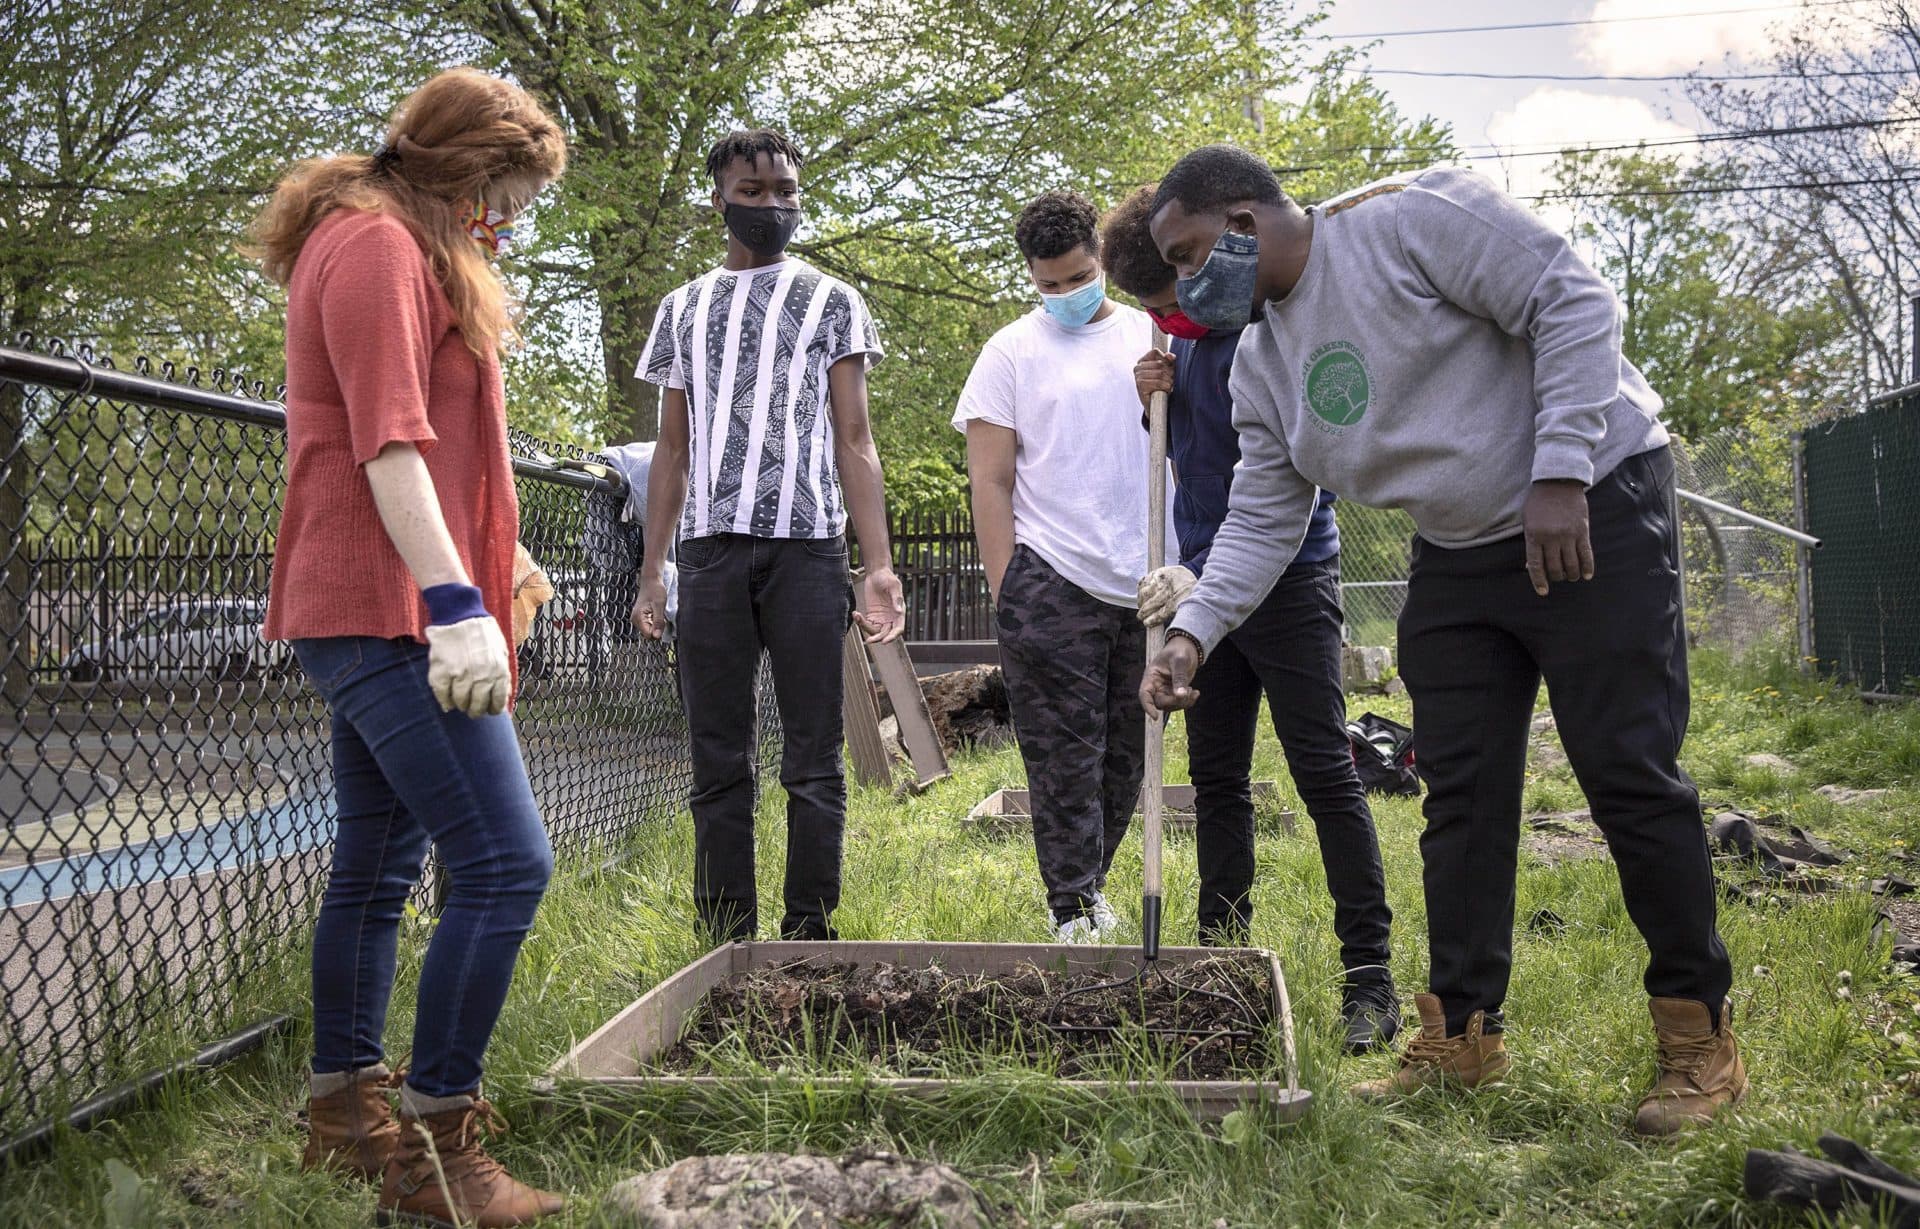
(490, 228)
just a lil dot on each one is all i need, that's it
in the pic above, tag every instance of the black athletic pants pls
(1288, 649)
(1475, 641)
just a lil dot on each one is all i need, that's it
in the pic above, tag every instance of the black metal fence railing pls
(165, 791)
(941, 577)
(1862, 483)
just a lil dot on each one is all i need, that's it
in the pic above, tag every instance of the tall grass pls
(1549, 1148)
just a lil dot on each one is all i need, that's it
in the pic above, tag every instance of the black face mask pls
(765, 230)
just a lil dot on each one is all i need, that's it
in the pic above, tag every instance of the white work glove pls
(468, 667)
(1161, 593)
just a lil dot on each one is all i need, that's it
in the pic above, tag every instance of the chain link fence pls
(1741, 579)
(1376, 550)
(165, 784)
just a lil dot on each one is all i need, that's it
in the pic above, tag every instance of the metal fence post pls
(1802, 557)
(1679, 545)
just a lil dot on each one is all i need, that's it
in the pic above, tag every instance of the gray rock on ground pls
(1545, 753)
(1768, 760)
(1365, 667)
(799, 1192)
(1847, 796)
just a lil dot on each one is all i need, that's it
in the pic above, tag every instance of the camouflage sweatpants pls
(1073, 666)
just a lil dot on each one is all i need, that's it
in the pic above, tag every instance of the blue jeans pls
(406, 774)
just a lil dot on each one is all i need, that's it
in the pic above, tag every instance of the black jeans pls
(1289, 648)
(739, 594)
(1073, 665)
(1475, 642)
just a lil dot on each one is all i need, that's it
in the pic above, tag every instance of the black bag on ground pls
(1383, 755)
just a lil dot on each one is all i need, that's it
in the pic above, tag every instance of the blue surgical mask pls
(1220, 295)
(1076, 308)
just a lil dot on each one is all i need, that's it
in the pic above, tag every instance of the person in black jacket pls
(1289, 650)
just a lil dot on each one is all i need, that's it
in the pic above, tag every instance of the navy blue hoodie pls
(1204, 448)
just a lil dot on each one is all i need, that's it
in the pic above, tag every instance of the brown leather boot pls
(1700, 1068)
(441, 1177)
(350, 1126)
(1470, 1060)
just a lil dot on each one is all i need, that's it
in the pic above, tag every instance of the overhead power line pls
(1597, 21)
(1724, 189)
(1703, 78)
(1497, 153)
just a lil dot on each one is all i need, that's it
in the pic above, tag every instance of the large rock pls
(1365, 667)
(799, 1192)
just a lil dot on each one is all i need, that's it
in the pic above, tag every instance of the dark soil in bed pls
(932, 1022)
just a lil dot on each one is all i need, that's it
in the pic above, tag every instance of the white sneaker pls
(1105, 920)
(1075, 930)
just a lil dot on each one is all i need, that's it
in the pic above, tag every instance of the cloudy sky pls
(1624, 38)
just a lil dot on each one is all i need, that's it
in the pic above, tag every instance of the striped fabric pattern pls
(751, 350)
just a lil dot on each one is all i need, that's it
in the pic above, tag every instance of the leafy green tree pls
(927, 124)
(1729, 319)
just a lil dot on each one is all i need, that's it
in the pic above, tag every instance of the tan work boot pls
(1470, 1060)
(440, 1176)
(350, 1126)
(1700, 1068)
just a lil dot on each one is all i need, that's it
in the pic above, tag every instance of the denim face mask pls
(1220, 295)
(1076, 308)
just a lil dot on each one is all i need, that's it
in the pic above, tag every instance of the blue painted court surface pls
(293, 825)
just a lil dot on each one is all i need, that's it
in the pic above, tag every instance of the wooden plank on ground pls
(894, 669)
(871, 763)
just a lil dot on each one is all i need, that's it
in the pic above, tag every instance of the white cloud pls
(1684, 44)
(1558, 118)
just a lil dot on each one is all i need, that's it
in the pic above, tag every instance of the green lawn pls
(1549, 1148)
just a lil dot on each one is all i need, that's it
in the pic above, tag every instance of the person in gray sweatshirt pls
(1425, 343)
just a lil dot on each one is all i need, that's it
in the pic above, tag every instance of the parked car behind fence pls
(208, 639)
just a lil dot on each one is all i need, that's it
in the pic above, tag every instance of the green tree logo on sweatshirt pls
(1338, 384)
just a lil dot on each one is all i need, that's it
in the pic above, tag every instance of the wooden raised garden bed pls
(876, 1001)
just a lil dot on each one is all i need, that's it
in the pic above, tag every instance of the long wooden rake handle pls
(1153, 798)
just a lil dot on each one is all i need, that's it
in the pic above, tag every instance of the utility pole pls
(1254, 106)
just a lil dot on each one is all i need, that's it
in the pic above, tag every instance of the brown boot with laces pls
(350, 1126)
(442, 1177)
(1472, 1059)
(1700, 1068)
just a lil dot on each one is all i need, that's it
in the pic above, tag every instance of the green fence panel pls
(1863, 502)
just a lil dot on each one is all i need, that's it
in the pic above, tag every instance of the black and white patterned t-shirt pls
(751, 349)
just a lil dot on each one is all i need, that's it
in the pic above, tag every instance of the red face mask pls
(1176, 324)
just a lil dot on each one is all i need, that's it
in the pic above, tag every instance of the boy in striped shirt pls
(765, 456)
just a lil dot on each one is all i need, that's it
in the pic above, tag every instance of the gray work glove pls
(1161, 593)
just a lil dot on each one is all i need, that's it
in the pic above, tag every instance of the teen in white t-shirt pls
(1058, 465)
(1080, 458)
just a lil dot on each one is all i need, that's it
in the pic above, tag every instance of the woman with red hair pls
(393, 579)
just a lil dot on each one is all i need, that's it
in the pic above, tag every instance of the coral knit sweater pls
(375, 357)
